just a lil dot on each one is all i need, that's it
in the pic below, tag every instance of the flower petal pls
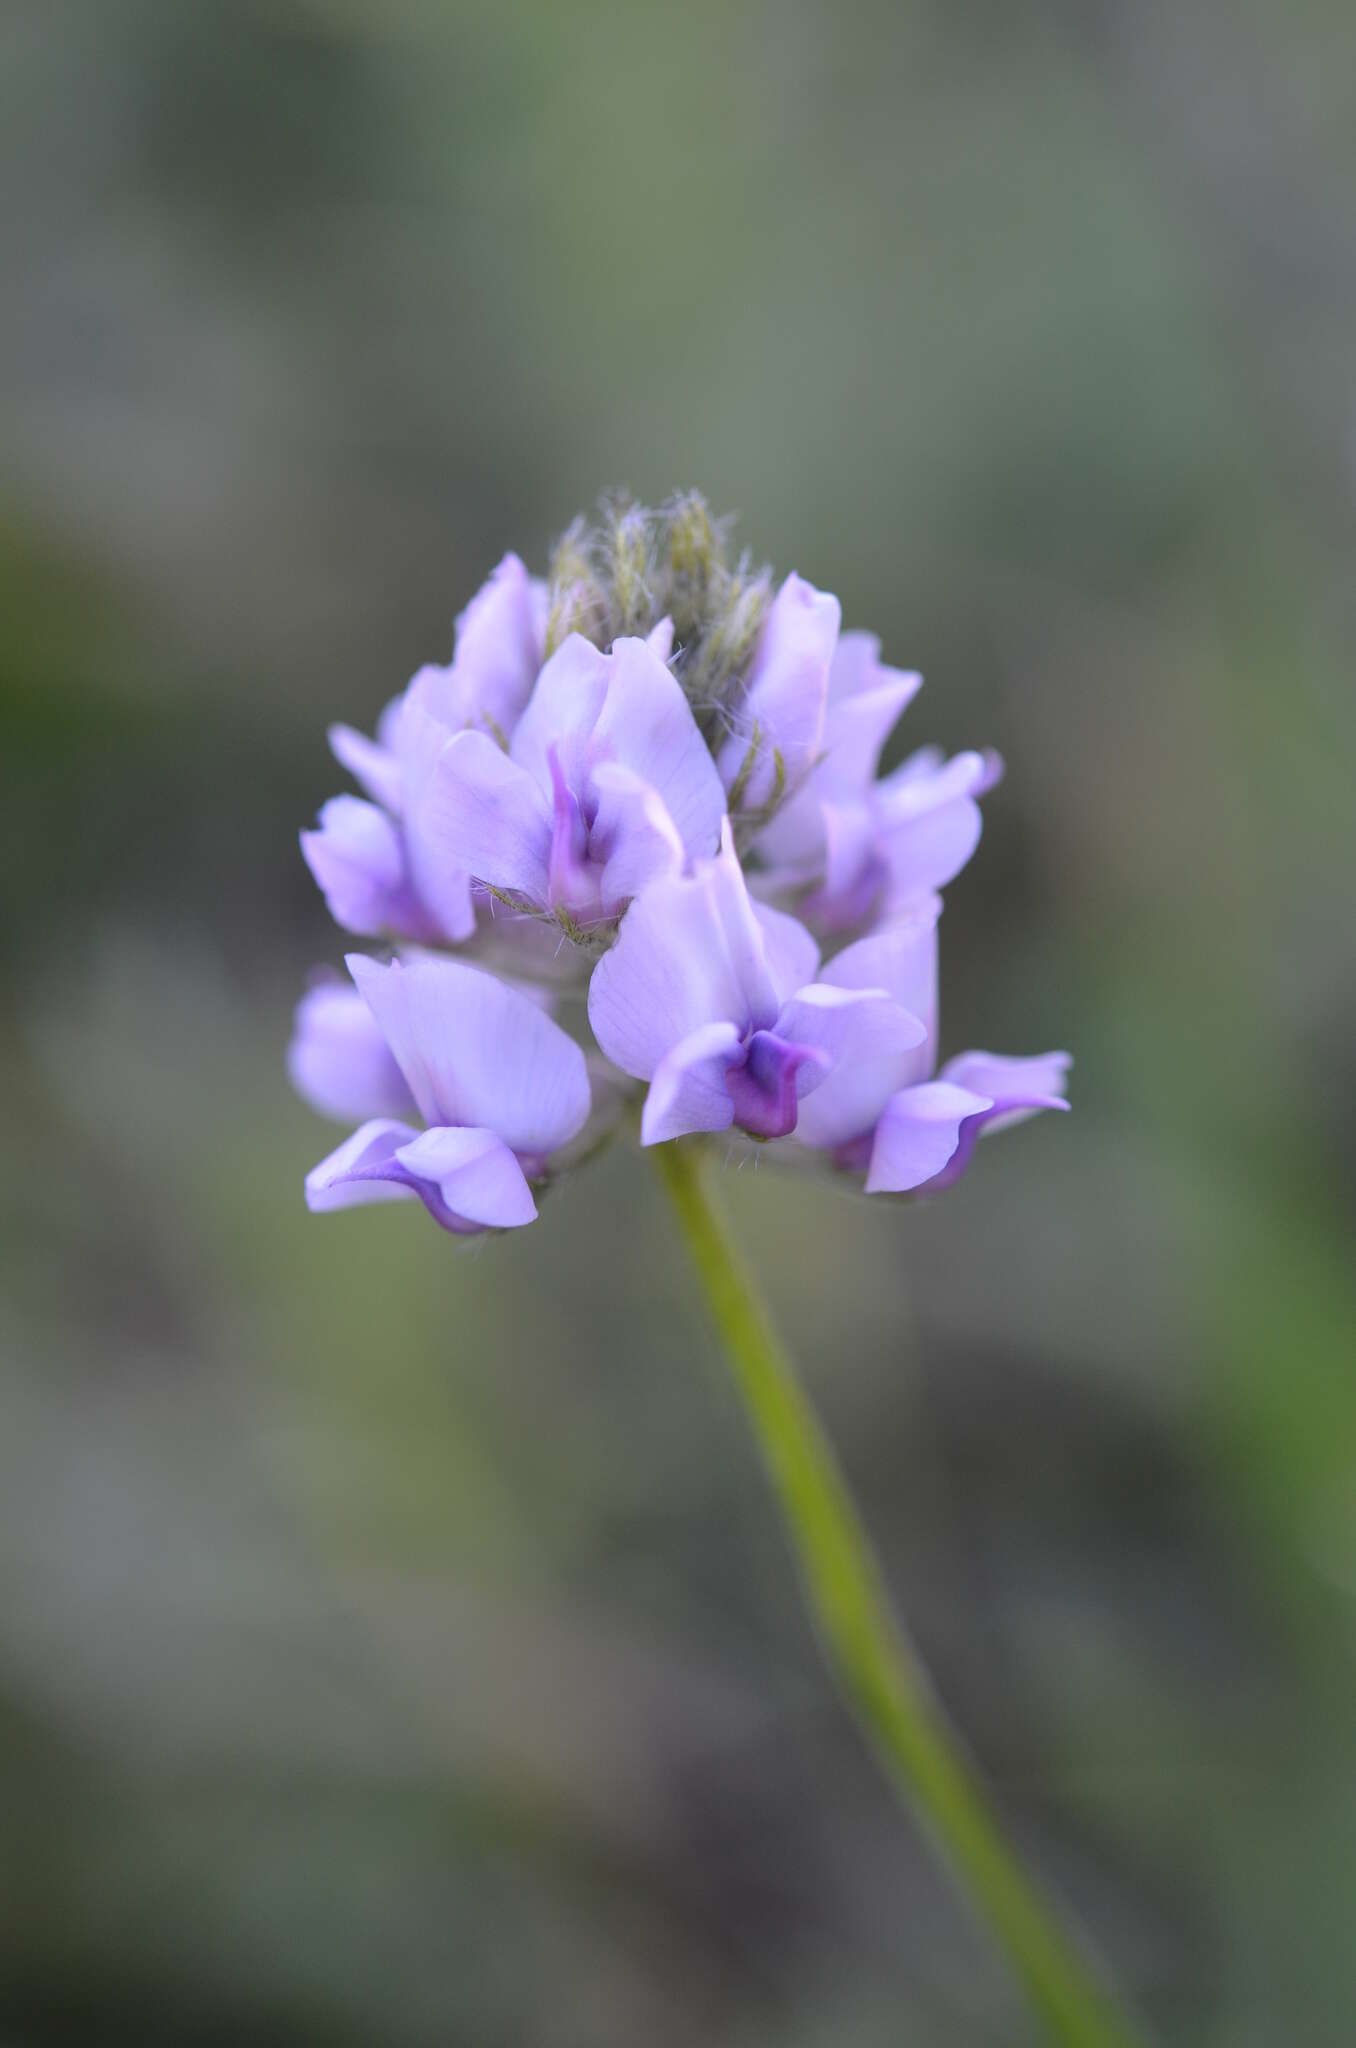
(481, 814)
(498, 648)
(689, 952)
(766, 1089)
(919, 1134)
(929, 819)
(860, 719)
(368, 1167)
(792, 955)
(689, 1092)
(358, 858)
(475, 1172)
(562, 712)
(371, 764)
(338, 1060)
(1019, 1087)
(362, 1169)
(659, 639)
(850, 857)
(781, 716)
(633, 830)
(793, 839)
(866, 1043)
(646, 724)
(901, 958)
(475, 1051)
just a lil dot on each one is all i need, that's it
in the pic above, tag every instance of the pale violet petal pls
(439, 884)
(476, 1051)
(901, 958)
(918, 1135)
(646, 724)
(793, 840)
(849, 845)
(858, 669)
(855, 732)
(562, 712)
(632, 833)
(929, 820)
(686, 953)
(1011, 1090)
(866, 1040)
(475, 1172)
(357, 857)
(928, 851)
(481, 814)
(373, 766)
(781, 716)
(745, 938)
(792, 955)
(369, 1167)
(432, 697)
(498, 648)
(688, 1092)
(360, 1170)
(1020, 1087)
(339, 1061)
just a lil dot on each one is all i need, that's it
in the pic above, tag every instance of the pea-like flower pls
(499, 1086)
(339, 1060)
(777, 720)
(606, 786)
(922, 1131)
(846, 840)
(712, 999)
(376, 875)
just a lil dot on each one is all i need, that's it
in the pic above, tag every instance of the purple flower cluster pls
(643, 802)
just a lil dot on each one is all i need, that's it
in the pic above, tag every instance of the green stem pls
(867, 1650)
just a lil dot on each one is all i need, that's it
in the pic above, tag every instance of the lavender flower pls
(921, 1132)
(607, 786)
(617, 789)
(778, 720)
(844, 839)
(339, 1060)
(712, 999)
(376, 873)
(498, 1084)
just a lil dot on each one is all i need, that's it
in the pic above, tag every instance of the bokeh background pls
(396, 1642)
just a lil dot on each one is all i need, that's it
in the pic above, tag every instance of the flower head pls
(622, 787)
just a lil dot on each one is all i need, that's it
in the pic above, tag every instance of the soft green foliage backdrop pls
(396, 1645)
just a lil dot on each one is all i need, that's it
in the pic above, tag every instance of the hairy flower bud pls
(629, 567)
(578, 601)
(738, 605)
(694, 558)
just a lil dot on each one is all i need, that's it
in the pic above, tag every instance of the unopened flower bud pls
(694, 559)
(628, 561)
(578, 602)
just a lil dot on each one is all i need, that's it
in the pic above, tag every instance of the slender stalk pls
(865, 1646)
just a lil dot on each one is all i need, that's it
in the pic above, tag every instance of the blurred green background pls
(396, 1642)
